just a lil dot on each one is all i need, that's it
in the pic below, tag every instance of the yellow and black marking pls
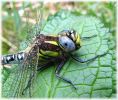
(49, 48)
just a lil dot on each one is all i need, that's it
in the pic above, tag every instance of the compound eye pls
(66, 44)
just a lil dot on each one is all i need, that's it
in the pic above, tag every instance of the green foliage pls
(15, 31)
(92, 79)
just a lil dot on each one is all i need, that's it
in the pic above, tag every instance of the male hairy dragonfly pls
(44, 51)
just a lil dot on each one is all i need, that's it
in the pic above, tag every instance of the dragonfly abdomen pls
(13, 58)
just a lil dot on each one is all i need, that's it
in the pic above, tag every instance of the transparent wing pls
(21, 74)
(28, 72)
(19, 79)
(34, 30)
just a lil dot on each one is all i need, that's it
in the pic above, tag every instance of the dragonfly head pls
(69, 40)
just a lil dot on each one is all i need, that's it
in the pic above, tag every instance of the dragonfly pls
(45, 51)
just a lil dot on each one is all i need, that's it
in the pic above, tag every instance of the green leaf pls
(92, 79)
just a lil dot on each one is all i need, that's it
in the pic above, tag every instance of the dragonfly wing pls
(18, 80)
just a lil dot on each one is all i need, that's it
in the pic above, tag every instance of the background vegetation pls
(14, 18)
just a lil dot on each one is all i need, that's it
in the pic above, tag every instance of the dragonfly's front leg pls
(58, 69)
(91, 59)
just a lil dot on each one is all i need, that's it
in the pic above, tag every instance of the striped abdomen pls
(12, 59)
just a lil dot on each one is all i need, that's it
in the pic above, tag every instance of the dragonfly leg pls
(31, 76)
(46, 65)
(58, 69)
(91, 59)
(88, 37)
(43, 67)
